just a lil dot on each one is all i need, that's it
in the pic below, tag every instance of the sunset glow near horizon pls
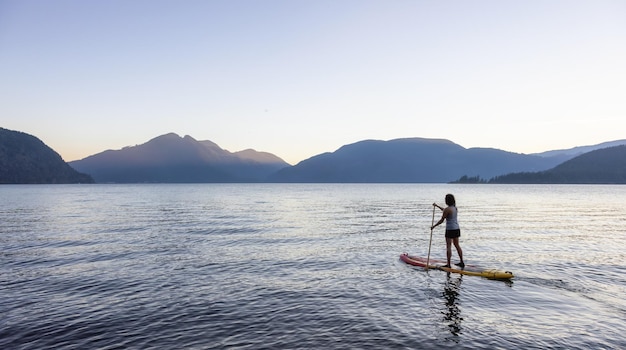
(299, 78)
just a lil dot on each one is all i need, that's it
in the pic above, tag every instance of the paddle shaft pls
(431, 238)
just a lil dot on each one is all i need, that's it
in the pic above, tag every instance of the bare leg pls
(449, 249)
(458, 249)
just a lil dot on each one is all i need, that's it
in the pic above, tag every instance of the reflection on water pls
(307, 266)
(452, 314)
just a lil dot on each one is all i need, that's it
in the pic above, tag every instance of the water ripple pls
(306, 266)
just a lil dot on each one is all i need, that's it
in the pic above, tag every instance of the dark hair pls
(450, 200)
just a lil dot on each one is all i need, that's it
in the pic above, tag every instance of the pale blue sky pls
(299, 78)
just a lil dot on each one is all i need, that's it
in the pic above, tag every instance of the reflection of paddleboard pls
(471, 270)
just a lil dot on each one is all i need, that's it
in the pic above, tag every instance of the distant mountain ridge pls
(25, 159)
(409, 160)
(600, 166)
(576, 151)
(169, 158)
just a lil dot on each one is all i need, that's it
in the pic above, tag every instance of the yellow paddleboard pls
(471, 270)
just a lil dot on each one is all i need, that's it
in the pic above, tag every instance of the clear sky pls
(297, 78)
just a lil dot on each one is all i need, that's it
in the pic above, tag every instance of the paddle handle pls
(431, 238)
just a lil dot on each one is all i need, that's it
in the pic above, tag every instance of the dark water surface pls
(308, 266)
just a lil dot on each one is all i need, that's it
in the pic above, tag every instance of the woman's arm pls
(445, 214)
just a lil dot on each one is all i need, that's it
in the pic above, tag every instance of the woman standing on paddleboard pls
(453, 231)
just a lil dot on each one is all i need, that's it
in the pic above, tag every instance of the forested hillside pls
(24, 159)
(603, 166)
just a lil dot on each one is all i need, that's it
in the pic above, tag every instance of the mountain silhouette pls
(25, 159)
(409, 160)
(602, 166)
(170, 158)
(173, 159)
(576, 151)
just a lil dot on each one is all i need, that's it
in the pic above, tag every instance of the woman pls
(453, 231)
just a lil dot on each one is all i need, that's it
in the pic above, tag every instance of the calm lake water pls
(308, 266)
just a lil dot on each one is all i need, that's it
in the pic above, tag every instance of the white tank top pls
(451, 221)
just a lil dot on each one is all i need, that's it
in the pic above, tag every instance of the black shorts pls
(453, 233)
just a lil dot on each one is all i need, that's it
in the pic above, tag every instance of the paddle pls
(431, 238)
